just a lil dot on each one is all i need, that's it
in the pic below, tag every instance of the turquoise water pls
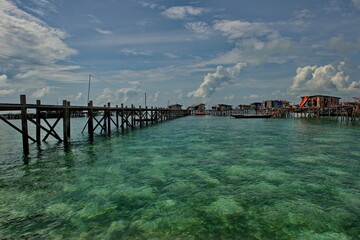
(189, 178)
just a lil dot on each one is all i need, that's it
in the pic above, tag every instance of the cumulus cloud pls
(182, 12)
(41, 92)
(329, 79)
(213, 81)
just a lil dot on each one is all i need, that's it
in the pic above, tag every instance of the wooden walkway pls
(102, 118)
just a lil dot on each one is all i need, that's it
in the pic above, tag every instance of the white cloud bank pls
(328, 79)
(182, 12)
(213, 81)
(122, 95)
(29, 38)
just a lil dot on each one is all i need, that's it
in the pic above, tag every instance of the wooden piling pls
(24, 126)
(90, 119)
(66, 122)
(38, 123)
(109, 119)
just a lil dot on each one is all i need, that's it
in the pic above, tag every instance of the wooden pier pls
(348, 113)
(101, 118)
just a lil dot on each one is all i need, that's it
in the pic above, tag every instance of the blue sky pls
(229, 51)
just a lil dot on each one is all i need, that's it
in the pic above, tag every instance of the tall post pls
(38, 123)
(88, 98)
(65, 122)
(132, 116)
(105, 119)
(24, 126)
(140, 116)
(90, 119)
(122, 117)
(69, 122)
(146, 115)
(117, 116)
(109, 119)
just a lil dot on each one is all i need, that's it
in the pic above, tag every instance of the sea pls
(196, 177)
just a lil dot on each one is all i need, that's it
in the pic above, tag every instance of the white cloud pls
(213, 81)
(103, 31)
(198, 27)
(27, 37)
(228, 98)
(252, 96)
(122, 95)
(41, 92)
(328, 79)
(7, 91)
(79, 96)
(93, 19)
(255, 51)
(150, 5)
(3, 80)
(182, 12)
(234, 29)
(128, 52)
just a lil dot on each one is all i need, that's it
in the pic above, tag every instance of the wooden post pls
(117, 116)
(122, 117)
(65, 122)
(132, 116)
(109, 119)
(105, 120)
(140, 116)
(69, 122)
(24, 125)
(90, 119)
(38, 123)
(146, 115)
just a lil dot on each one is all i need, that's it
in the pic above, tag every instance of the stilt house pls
(318, 101)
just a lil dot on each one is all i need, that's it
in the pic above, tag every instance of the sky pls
(178, 51)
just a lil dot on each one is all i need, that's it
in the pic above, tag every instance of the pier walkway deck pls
(102, 118)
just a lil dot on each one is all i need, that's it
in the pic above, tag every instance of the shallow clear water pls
(189, 178)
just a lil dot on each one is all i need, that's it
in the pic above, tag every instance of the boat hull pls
(251, 116)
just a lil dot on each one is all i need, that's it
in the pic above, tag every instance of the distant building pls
(222, 107)
(319, 101)
(255, 105)
(197, 107)
(244, 107)
(175, 107)
(275, 104)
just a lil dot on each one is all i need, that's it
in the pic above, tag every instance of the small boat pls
(252, 116)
